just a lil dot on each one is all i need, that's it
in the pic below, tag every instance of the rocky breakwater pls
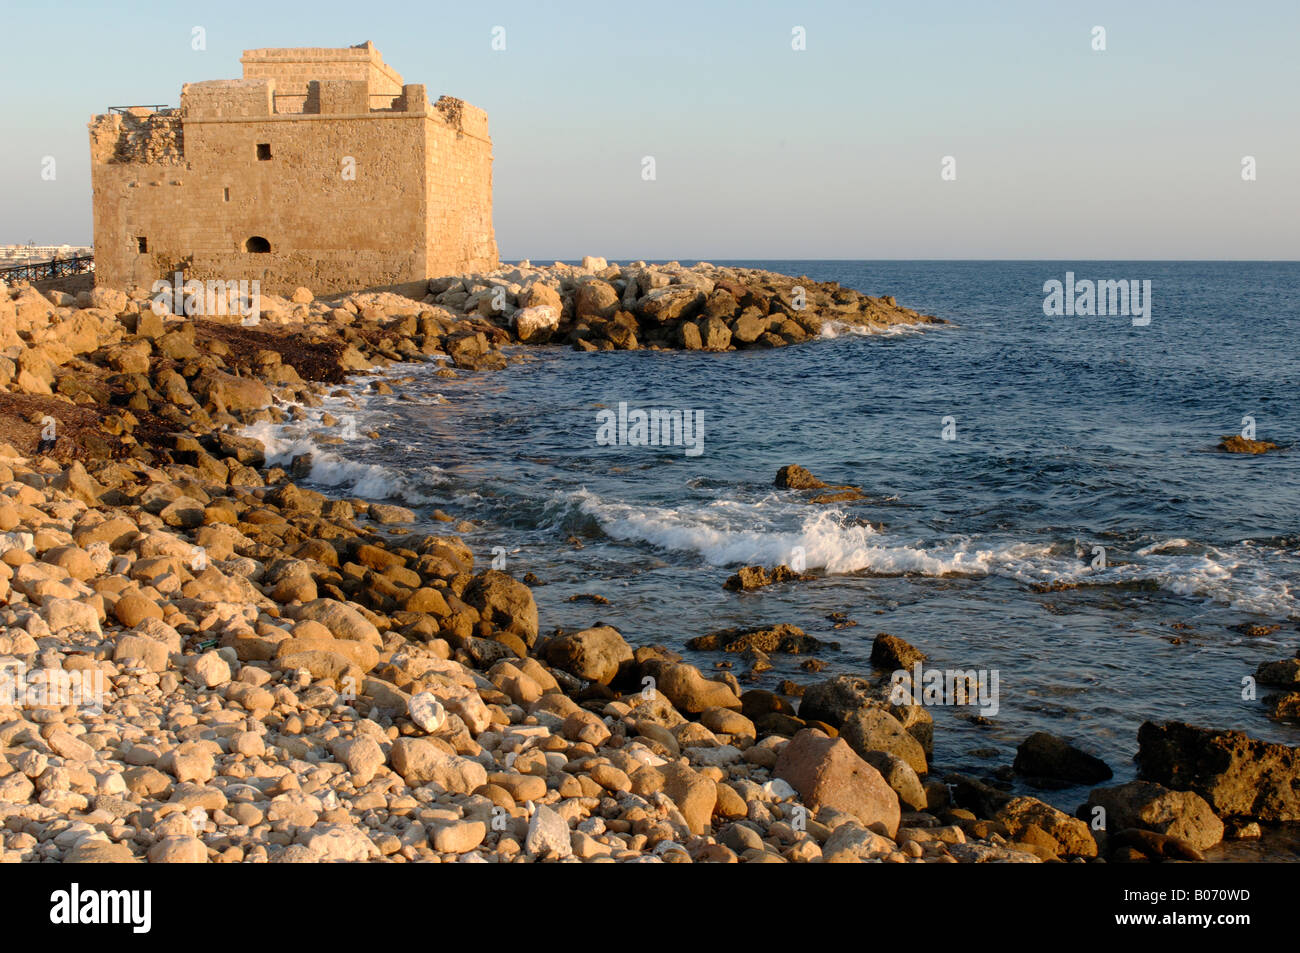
(598, 306)
(204, 661)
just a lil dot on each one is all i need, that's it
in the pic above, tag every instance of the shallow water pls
(1071, 433)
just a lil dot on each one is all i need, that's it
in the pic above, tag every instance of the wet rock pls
(1028, 818)
(785, 638)
(1042, 755)
(834, 700)
(892, 653)
(1238, 775)
(1236, 443)
(1151, 846)
(1282, 674)
(795, 477)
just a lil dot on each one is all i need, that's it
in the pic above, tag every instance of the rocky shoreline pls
(291, 677)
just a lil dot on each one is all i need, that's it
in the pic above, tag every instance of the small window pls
(227, 193)
(257, 244)
(142, 245)
(263, 150)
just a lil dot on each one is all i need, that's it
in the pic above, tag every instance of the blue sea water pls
(1071, 433)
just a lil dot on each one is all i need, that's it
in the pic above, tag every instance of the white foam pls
(369, 481)
(727, 532)
(833, 329)
(768, 532)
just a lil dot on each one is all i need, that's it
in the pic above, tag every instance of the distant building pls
(23, 254)
(319, 168)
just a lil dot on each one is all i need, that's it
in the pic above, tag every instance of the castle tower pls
(320, 167)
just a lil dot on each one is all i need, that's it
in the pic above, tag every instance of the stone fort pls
(319, 168)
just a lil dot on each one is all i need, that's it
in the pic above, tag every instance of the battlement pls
(294, 70)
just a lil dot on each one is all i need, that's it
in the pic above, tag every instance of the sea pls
(1043, 497)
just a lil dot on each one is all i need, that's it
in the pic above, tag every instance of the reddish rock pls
(826, 773)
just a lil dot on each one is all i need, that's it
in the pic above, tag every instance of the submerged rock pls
(1236, 443)
(795, 477)
(1042, 755)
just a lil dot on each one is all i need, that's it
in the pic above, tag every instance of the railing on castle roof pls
(158, 108)
(44, 270)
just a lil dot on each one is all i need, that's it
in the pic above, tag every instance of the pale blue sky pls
(761, 151)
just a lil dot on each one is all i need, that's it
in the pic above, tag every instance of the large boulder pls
(714, 334)
(540, 295)
(873, 728)
(1283, 674)
(536, 324)
(343, 621)
(835, 699)
(595, 299)
(505, 602)
(673, 303)
(419, 761)
(232, 393)
(594, 654)
(1028, 819)
(749, 327)
(689, 691)
(1153, 807)
(1238, 775)
(694, 794)
(826, 773)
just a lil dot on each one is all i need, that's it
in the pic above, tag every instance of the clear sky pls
(760, 151)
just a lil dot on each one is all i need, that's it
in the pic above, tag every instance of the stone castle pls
(320, 168)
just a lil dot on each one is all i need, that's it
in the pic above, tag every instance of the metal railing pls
(44, 270)
(161, 107)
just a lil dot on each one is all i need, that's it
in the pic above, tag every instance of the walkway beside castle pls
(45, 270)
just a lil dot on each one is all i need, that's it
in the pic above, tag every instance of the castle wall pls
(459, 190)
